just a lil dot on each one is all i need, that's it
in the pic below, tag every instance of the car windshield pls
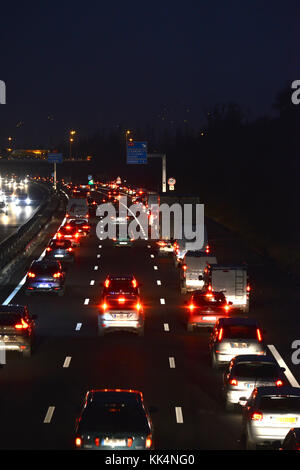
(201, 300)
(255, 370)
(284, 404)
(240, 332)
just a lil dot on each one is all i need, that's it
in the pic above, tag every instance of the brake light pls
(48, 248)
(86, 227)
(209, 287)
(106, 283)
(233, 382)
(68, 227)
(70, 249)
(208, 295)
(59, 235)
(257, 416)
(31, 274)
(220, 335)
(56, 275)
(279, 383)
(97, 441)
(104, 306)
(148, 443)
(184, 267)
(248, 288)
(129, 442)
(191, 307)
(22, 326)
(78, 442)
(76, 235)
(207, 249)
(226, 308)
(161, 243)
(138, 307)
(259, 337)
(134, 283)
(121, 300)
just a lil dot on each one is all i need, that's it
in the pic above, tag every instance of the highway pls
(42, 396)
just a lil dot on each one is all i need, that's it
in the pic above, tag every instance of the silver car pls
(269, 414)
(235, 336)
(247, 372)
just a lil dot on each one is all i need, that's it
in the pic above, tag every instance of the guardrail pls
(19, 242)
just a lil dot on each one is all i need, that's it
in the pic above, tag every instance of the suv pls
(121, 312)
(235, 336)
(17, 329)
(69, 232)
(82, 226)
(61, 249)
(205, 308)
(119, 285)
(45, 276)
(114, 419)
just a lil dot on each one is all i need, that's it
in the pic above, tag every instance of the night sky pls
(94, 65)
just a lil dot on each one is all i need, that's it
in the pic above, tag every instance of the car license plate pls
(44, 286)
(239, 345)
(286, 420)
(209, 318)
(59, 256)
(114, 442)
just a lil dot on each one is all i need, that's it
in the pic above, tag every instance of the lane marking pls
(78, 326)
(100, 246)
(152, 256)
(158, 282)
(281, 363)
(172, 362)
(98, 256)
(49, 414)
(92, 283)
(95, 268)
(162, 301)
(67, 361)
(148, 246)
(86, 302)
(155, 268)
(179, 416)
(166, 327)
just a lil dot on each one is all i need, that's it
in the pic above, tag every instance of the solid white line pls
(78, 326)
(166, 327)
(158, 282)
(95, 268)
(281, 363)
(92, 282)
(49, 414)
(15, 291)
(162, 301)
(179, 417)
(86, 302)
(155, 268)
(67, 361)
(172, 362)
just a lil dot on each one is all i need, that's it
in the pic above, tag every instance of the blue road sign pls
(137, 153)
(55, 157)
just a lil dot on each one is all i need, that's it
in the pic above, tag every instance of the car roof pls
(278, 391)
(237, 321)
(254, 358)
(10, 308)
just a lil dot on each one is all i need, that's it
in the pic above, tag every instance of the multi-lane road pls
(42, 396)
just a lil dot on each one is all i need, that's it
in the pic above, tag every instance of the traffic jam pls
(216, 305)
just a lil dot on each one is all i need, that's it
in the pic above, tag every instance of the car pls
(291, 440)
(123, 242)
(268, 415)
(45, 276)
(246, 372)
(68, 232)
(60, 249)
(17, 329)
(82, 226)
(205, 308)
(114, 419)
(126, 284)
(165, 247)
(121, 312)
(233, 336)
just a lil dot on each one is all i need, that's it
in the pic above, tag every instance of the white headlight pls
(28, 201)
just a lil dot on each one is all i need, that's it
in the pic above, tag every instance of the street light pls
(71, 140)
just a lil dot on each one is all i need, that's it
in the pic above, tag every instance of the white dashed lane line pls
(172, 362)
(158, 282)
(78, 326)
(49, 414)
(166, 327)
(67, 361)
(281, 363)
(152, 256)
(179, 416)
(100, 246)
(98, 256)
(162, 301)
(87, 301)
(92, 283)
(155, 268)
(95, 268)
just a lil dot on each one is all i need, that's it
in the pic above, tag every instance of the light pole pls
(71, 140)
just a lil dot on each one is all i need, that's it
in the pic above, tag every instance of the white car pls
(269, 414)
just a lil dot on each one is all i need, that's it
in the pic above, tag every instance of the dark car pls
(205, 308)
(120, 285)
(61, 250)
(45, 276)
(114, 419)
(17, 329)
(68, 232)
(82, 226)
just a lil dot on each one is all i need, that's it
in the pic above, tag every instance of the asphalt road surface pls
(170, 366)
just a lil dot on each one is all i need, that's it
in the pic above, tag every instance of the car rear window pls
(45, 269)
(121, 286)
(9, 319)
(204, 301)
(60, 244)
(240, 332)
(280, 404)
(255, 371)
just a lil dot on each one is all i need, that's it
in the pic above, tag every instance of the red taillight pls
(161, 243)
(70, 249)
(134, 283)
(48, 248)
(86, 227)
(184, 267)
(259, 337)
(148, 443)
(78, 442)
(76, 235)
(68, 227)
(56, 275)
(97, 441)
(209, 287)
(104, 306)
(31, 274)
(279, 383)
(138, 306)
(233, 382)
(129, 442)
(121, 300)
(226, 308)
(191, 307)
(220, 336)
(207, 249)
(106, 283)
(59, 235)
(248, 288)
(22, 326)
(257, 416)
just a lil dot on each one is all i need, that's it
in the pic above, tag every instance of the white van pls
(192, 270)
